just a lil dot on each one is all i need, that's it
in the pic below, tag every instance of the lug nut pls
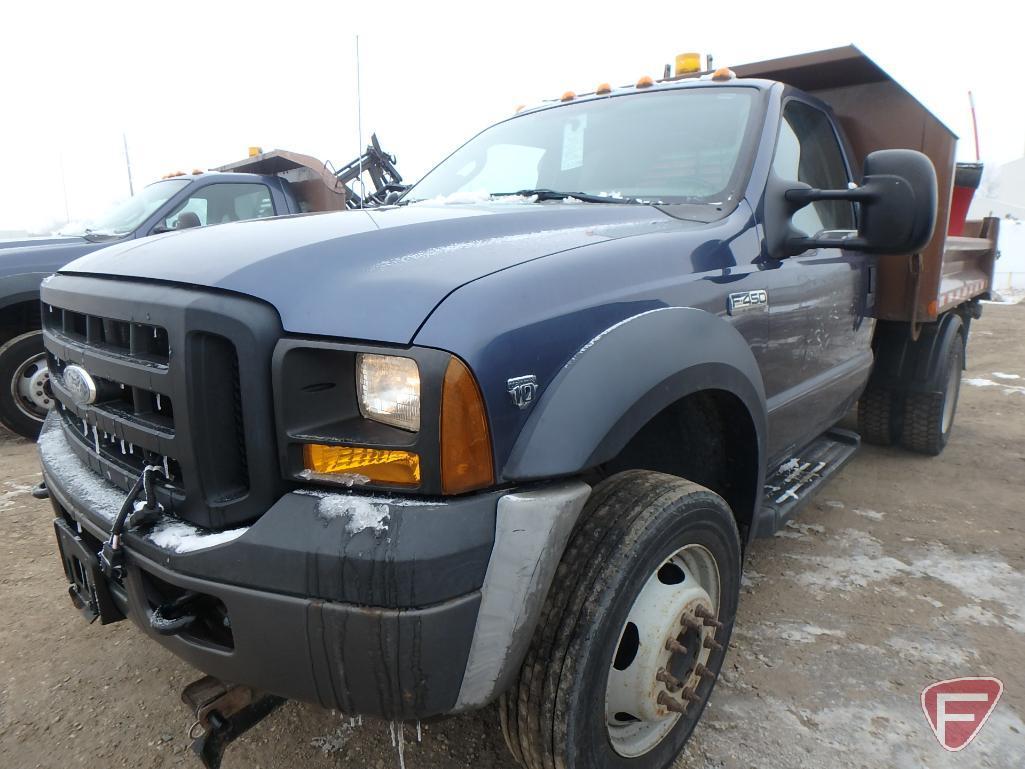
(688, 621)
(704, 672)
(690, 695)
(670, 704)
(675, 646)
(703, 613)
(711, 643)
(668, 679)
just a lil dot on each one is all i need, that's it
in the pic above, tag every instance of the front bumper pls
(395, 608)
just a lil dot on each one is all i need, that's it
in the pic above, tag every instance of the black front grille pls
(182, 382)
(142, 341)
(147, 407)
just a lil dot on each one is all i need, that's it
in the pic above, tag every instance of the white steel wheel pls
(663, 650)
(633, 632)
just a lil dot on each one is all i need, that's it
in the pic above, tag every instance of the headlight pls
(389, 390)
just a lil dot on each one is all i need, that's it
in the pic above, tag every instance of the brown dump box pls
(316, 187)
(877, 113)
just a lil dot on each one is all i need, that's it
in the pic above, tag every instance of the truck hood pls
(374, 275)
(42, 255)
(40, 240)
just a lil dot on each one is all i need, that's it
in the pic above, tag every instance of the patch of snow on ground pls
(181, 537)
(10, 496)
(923, 650)
(880, 729)
(980, 577)
(975, 615)
(1001, 375)
(860, 564)
(332, 743)
(872, 514)
(802, 633)
(834, 503)
(861, 561)
(1005, 388)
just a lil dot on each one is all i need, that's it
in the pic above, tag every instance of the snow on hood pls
(374, 274)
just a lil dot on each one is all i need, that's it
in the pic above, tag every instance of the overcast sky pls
(194, 84)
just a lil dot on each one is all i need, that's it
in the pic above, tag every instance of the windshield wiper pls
(89, 234)
(542, 193)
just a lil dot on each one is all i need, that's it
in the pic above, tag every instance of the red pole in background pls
(975, 126)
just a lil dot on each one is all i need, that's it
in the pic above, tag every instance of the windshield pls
(673, 146)
(124, 217)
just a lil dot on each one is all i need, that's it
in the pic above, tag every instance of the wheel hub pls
(663, 652)
(29, 386)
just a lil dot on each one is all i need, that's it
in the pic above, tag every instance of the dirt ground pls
(903, 571)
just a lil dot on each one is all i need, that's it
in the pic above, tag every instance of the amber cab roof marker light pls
(568, 96)
(602, 89)
(466, 459)
(724, 73)
(688, 63)
(645, 82)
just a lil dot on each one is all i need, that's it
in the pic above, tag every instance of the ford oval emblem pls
(80, 384)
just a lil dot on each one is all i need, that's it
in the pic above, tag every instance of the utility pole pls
(128, 164)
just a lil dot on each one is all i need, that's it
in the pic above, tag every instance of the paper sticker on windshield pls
(573, 143)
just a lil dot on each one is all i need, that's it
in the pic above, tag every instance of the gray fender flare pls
(621, 379)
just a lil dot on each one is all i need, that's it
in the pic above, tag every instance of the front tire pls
(655, 560)
(25, 396)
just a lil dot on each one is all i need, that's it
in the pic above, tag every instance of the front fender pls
(617, 382)
(15, 289)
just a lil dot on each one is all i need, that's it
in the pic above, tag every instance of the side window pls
(220, 203)
(808, 151)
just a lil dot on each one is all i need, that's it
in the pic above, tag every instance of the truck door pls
(817, 306)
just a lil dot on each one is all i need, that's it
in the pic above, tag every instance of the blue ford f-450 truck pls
(509, 438)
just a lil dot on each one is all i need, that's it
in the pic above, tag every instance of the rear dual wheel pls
(918, 421)
(633, 632)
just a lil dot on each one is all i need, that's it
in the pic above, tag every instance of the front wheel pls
(634, 629)
(24, 384)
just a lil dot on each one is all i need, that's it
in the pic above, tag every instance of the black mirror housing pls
(898, 201)
(898, 214)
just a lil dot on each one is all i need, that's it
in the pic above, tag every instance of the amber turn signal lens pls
(399, 468)
(466, 462)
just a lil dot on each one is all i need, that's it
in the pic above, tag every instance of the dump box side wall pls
(883, 115)
(877, 113)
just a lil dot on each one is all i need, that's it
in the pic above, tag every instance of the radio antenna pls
(359, 128)
(975, 125)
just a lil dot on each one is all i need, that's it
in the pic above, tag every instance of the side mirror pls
(898, 200)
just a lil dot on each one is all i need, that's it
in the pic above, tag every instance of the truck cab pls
(509, 438)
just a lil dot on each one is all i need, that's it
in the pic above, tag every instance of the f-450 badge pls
(742, 301)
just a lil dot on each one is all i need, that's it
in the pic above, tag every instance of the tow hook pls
(174, 617)
(223, 712)
(40, 491)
